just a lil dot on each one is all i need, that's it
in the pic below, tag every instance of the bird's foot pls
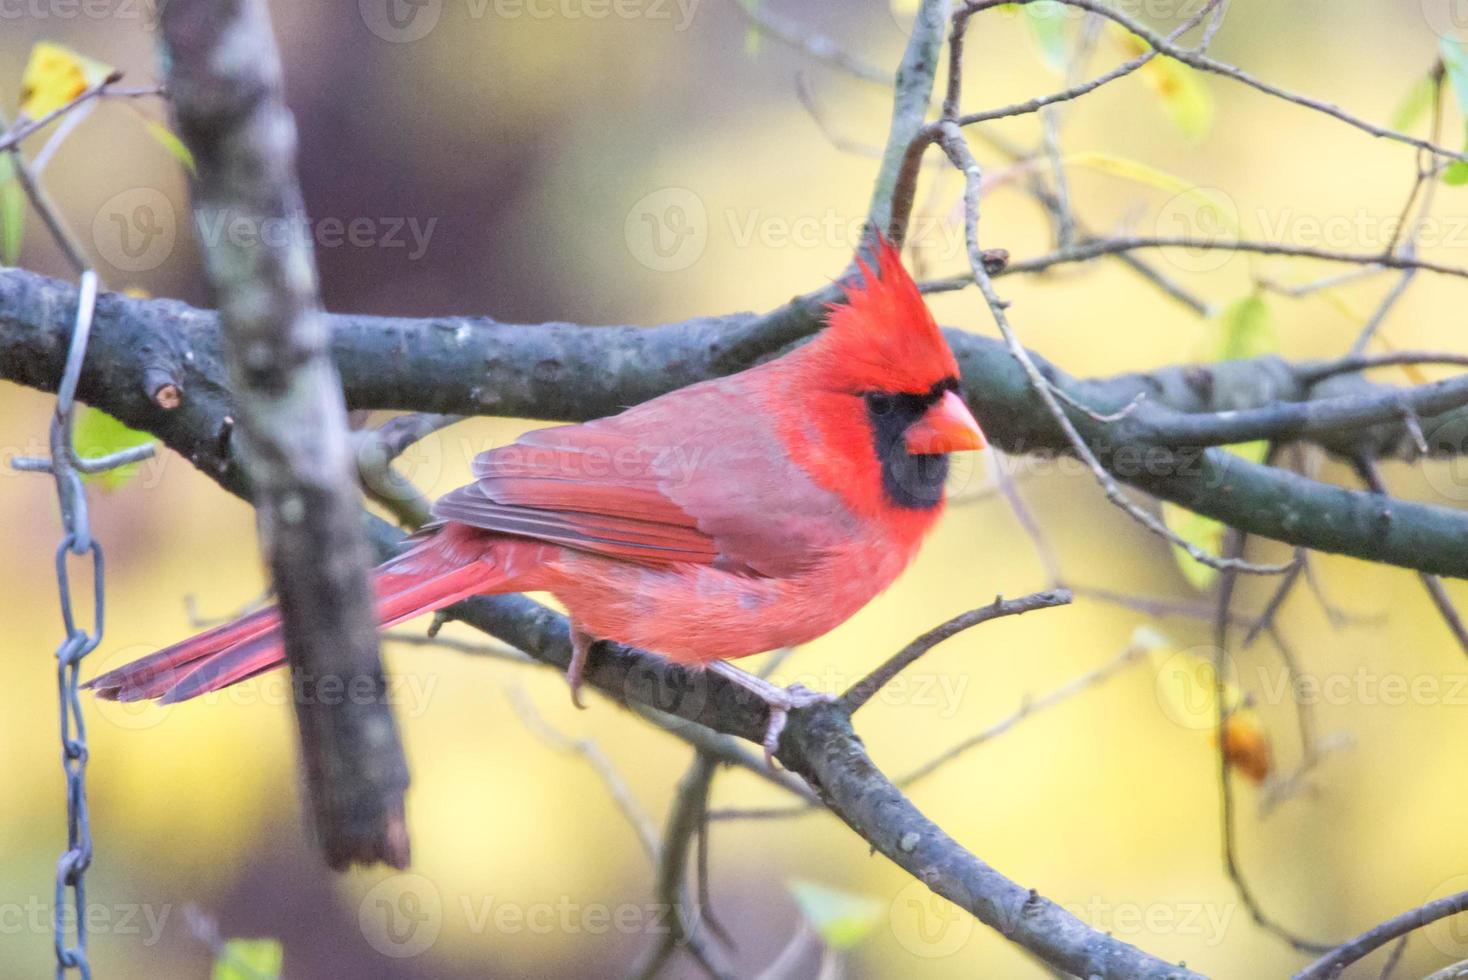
(780, 701)
(580, 648)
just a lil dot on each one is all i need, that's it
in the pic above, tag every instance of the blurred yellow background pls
(531, 140)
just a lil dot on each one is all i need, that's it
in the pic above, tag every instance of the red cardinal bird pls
(728, 518)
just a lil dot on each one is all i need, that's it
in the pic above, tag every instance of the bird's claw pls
(580, 648)
(788, 699)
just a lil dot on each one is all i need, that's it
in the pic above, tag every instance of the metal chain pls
(70, 911)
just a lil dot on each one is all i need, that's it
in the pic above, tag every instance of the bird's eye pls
(879, 403)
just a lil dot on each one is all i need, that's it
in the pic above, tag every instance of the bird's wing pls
(696, 476)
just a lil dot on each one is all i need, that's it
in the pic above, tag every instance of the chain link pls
(70, 909)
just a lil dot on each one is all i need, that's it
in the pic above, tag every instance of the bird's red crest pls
(882, 338)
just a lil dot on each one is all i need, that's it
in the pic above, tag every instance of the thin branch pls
(1294, 420)
(1160, 608)
(1083, 88)
(1227, 580)
(1371, 476)
(962, 157)
(1306, 289)
(1204, 63)
(1085, 251)
(1311, 374)
(1026, 518)
(863, 690)
(589, 750)
(1133, 653)
(1331, 965)
(810, 43)
(376, 449)
(686, 817)
(107, 86)
(1388, 302)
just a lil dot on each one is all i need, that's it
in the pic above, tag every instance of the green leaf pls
(1416, 102)
(249, 959)
(1244, 330)
(171, 143)
(96, 434)
(1047, 20)
(12, 212)
(841, 918)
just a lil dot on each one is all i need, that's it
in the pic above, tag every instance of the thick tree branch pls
(225, 80)
(561, 371)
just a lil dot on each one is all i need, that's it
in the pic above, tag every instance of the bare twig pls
(1027, 521)
(1084, 251)
(107, 86)
(1028, 707)
(962, 157)
(1234, 544)
(1204, 63)
(599, 762)
(1315, 373)
(862, 691)
(375, 451)
(810, 43)
(685, 819)
(1371, 476)
(1084, 88)
(1331, 965)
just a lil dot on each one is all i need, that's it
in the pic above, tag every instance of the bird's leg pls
(780, 700)
(581, 642)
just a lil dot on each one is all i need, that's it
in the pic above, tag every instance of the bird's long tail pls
(435, 574)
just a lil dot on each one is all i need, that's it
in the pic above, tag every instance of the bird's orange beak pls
(947, 427)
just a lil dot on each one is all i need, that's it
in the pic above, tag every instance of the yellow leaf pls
(54, 76)
(1186, 100)
(1141, 173)
(1246, 744)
